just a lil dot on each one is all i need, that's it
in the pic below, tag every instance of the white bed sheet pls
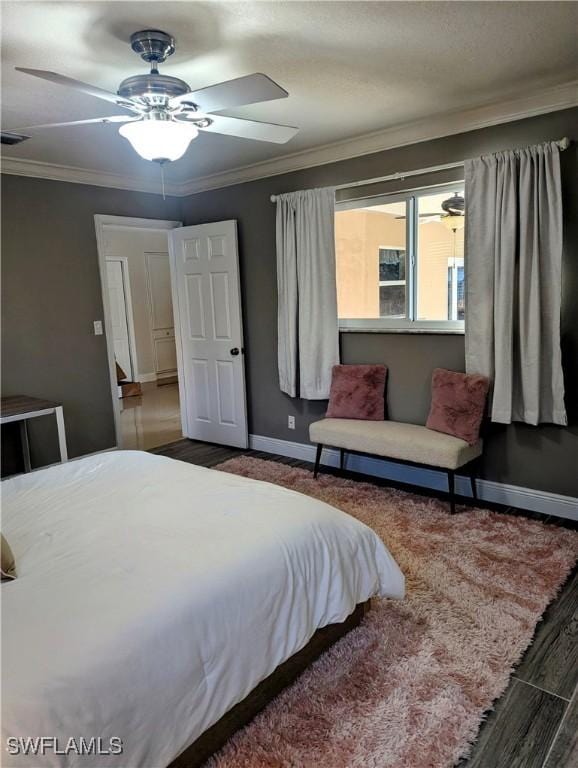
(153, 595)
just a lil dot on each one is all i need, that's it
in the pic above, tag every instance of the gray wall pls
(543, 457)
(50, 296)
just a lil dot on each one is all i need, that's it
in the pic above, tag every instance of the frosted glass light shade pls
(453, 222)
(159, 139)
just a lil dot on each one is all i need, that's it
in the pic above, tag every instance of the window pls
(400, 261)
(456, 289)
(391, 282)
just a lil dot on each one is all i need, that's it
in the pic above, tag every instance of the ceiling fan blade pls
(250, 129)
(234, 93)
(422, 215)
(90, 90)
(111, 119)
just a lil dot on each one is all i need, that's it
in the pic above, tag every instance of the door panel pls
(217, 247)
(226, 392)
(191, 249)
(118, 312)
(220, 302)
(205, 274)
(161, 311)
(159, 276)
(200, 380)
(166, 354)
(195, 307)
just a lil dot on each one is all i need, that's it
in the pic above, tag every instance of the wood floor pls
(152, 418)
(535, 723)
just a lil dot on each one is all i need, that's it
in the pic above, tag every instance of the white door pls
(162, 316)
(119, 316)
(205, 275)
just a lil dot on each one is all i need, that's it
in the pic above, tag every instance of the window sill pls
(411, 331)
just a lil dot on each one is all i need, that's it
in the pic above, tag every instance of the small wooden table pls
(21, 408)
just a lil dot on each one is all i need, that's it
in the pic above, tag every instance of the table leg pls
(25, 445)
(61, 433)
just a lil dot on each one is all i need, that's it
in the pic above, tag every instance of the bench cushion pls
(394, 439)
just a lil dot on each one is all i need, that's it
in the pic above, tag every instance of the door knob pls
(235, 351)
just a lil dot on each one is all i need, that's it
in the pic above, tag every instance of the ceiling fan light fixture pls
(159, 140)
(166, 115)
(453, 221)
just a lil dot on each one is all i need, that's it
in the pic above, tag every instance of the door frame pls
(129, 315)
(101, 222)
(178, 341)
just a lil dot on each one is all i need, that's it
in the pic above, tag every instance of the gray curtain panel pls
(308, 335)
(513, 281)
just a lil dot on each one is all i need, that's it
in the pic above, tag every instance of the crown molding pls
(546, 100)
(15, 166)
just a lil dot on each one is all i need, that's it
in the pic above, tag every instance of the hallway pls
(152, 419)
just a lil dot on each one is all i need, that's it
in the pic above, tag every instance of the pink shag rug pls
(409, 687)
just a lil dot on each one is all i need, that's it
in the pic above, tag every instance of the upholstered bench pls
(406, 443)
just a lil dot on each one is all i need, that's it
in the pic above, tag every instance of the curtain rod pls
(400, 176)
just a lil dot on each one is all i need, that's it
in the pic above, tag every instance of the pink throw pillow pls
(357, 392)
(458, 401)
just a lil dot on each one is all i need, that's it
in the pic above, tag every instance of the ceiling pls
(351, 68)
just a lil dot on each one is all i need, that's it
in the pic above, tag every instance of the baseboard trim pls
(488, 490)
(146, 378)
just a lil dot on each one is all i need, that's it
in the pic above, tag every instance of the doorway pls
(187, 371)
(139, 324)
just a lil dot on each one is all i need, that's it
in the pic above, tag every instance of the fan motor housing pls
(454, 205)
(152, 89)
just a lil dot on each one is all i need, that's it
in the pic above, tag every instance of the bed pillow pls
(8, 564)
(357, 392)
(458, 401)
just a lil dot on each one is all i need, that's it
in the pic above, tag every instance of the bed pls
(153, 596)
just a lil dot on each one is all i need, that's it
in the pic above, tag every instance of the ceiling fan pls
(453, 212)
(165, 114)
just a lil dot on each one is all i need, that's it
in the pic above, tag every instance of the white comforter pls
(153, 595)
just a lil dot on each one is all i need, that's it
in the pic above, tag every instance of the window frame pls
(458, 263)
(409, 324)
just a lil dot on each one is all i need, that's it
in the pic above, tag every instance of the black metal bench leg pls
(473, 483)
(317, 460)
(451, 487)
(341, 459)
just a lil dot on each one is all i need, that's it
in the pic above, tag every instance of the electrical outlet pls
(98, 327)
(291, 422)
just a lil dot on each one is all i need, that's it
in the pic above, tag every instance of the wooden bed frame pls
(242, 713)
